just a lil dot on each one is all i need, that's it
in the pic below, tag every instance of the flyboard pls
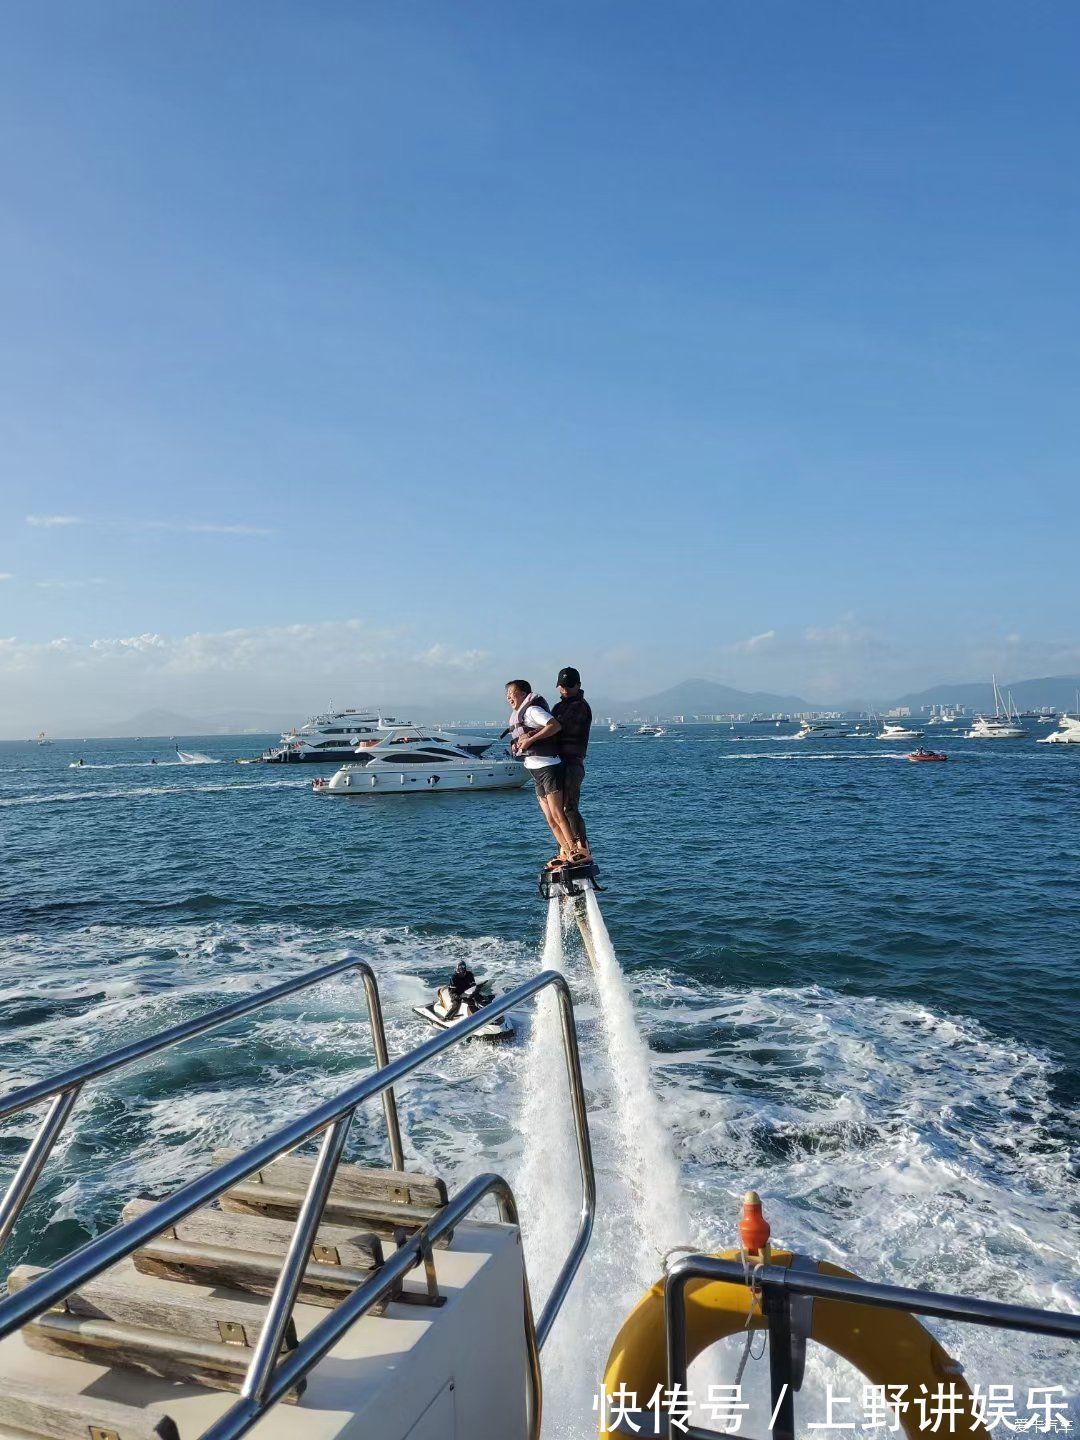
(570, 882)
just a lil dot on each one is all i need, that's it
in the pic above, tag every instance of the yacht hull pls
(390, 780)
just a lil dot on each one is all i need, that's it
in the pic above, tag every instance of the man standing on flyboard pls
(574, 714)
(534, 730)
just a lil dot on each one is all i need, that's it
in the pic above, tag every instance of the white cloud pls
(189, 527)
(69, 584)
(446, 657)
(6, 575)
(755, 643)
(196, 527)
(67, 684)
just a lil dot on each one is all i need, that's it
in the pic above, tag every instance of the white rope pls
(754, 1282)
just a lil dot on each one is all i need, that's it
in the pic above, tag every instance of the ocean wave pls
(141, 792)
(911, 1145)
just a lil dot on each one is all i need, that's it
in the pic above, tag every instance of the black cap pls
(569, 677)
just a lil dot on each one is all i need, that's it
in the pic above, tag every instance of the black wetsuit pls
(460, 981)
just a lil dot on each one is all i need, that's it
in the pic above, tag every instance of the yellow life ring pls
(889, 1347)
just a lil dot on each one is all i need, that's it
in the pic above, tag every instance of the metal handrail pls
(778, 1284)
(64, 1089)
(246, 1411)
(333, 1116)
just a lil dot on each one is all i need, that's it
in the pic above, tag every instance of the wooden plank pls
(49, 1416)
(325, 1285)
(352, 1182)
(353, 1247)
(132, 1347)
(281, 1203)
(120, 1295)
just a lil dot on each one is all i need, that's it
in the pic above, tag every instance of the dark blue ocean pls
(857, 979)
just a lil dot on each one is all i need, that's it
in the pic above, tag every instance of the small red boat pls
(925, 757)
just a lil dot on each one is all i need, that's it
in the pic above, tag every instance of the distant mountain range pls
(689, 697)
(708, 697)
(1056, 690)
(166, 723)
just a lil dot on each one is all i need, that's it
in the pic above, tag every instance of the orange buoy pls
(754, 1229)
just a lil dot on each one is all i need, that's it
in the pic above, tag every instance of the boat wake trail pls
(126, 765)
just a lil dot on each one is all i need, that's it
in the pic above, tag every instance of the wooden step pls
(385, 1200)
(48, 1416)
(120, 1318)
(352, 1182)
(244, 1252)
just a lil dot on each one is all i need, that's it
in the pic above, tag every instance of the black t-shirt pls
(575, 717)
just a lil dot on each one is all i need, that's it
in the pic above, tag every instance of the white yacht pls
(1067, 733)
(890, 730)
(403, 759)
(335, 735)
(821, 730)
(651, 730)
(999, 726)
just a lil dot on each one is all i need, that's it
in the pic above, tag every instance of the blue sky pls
(724, 339)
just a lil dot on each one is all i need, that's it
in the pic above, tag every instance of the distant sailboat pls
(42, 738)
(1002, 724)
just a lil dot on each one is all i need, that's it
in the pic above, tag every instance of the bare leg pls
(552, 806)
(542, 801)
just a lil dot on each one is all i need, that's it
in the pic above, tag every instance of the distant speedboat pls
(898, 732)
(614, 726)
(821, 730)
(926, 757)
(407, 759)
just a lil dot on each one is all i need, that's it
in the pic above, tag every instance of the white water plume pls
(549, 1212)
(647, 1159)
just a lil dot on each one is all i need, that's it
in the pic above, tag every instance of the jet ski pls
(475, 998)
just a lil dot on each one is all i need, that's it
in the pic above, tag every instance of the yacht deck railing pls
(268, 1378)
(64, 1089)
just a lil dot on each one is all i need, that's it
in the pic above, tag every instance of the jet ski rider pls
(534, 729)
(461, 982)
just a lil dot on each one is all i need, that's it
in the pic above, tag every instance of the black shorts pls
(547, 779)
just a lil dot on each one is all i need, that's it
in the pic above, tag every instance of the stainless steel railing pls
(64, 1089)
(266, 1379)
(779, 1286)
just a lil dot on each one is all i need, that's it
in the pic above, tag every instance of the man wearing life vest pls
(574, 714)
(534, 729)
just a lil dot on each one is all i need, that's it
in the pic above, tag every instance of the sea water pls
(844, 980)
